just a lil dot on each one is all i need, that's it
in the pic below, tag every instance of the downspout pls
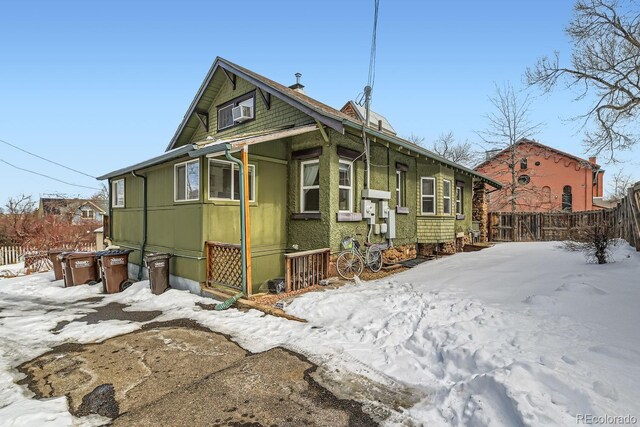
(144, 221)
(243, 231)
(110, 230)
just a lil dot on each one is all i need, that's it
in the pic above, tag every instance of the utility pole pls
(367, 153)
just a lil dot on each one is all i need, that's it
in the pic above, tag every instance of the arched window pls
(567, 199)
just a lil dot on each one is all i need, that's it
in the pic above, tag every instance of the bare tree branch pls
(509, 123)
(619, 183)
(606, 62)
(459, 152)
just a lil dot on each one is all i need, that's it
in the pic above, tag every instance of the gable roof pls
(544, 147)
(323, 113)
(57, 205)
(374, 117)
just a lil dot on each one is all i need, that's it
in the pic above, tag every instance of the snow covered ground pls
(11, 270)
(518, 334)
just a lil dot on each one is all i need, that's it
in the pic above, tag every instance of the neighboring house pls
(306, 182)
(74, 210)
(548, 180)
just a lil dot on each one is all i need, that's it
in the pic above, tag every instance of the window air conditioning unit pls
(242, 113)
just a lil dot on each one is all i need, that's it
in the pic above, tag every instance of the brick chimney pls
(592, 160)
(298, 87)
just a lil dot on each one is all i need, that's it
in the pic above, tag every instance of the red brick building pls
(548, 179)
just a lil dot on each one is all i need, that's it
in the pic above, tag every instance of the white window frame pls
(230, 106)
(459, 200)
(346, 187)
(423, 196)
(87, 210)
(445, 197)
(308, 187)
(186, 181)
(400, 183)
(252, 182)
(114, 193)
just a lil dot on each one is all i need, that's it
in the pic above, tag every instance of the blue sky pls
(99, 85)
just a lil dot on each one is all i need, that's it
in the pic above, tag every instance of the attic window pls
(237, 111)
(225, 117)
(88, 213)
(523, 164)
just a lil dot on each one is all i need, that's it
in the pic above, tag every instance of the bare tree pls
(458, 152)
(594, 241)
(605, 61)
(101, 195)
(619, 183)
(508, 124)
(418, 140)
(18, 221)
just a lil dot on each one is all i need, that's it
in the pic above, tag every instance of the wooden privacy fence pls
(15, 254)
(306, 268)
(545, 226)
(627, 216)
(540, 226)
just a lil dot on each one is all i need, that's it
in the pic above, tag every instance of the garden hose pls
(228, 303)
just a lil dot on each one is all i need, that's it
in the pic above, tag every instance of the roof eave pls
(332, 122)
(166, 157)
(422, 151)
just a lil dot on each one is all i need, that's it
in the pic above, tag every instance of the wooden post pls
(208, 252)
(245, 161)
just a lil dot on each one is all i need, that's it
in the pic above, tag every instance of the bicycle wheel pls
(374, 259)
(349, 265)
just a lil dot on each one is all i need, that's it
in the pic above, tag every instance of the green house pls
(306, 179)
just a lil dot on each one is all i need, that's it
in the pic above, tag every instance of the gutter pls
(163, 158)
(144, 221)
(419, 150)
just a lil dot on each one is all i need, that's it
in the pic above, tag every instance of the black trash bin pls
(158, 265)
(114, 270)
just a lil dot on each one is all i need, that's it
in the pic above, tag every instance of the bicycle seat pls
(368, 244)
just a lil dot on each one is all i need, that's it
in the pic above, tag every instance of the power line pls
(46, 160)
(47, 176)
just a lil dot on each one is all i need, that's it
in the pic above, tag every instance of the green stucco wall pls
(411, 227)
(182, 228)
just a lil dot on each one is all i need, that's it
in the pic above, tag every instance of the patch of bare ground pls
(177, 373)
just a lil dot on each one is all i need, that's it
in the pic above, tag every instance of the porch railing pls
(306, 268)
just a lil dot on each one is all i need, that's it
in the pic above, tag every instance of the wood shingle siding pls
(279, 115)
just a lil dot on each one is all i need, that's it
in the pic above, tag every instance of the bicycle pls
(353, 258)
